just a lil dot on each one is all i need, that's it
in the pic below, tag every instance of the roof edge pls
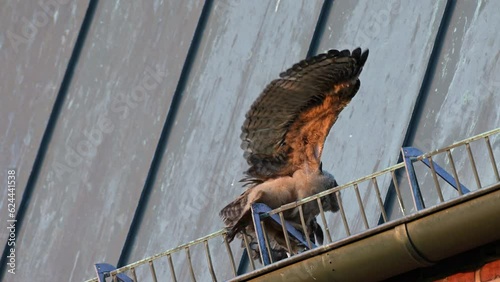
(419, 240)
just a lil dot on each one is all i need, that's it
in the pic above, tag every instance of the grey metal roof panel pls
(245, 45)
(370, 131)
(35, 47)
(465, 87)
(105, 138)
(463, 94)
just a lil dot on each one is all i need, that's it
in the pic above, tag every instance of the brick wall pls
(488, 272)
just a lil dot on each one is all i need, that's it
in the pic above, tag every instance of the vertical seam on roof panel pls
(424, 89)
(430, 71)
(51, 124)
(165, 134)
(320, 28)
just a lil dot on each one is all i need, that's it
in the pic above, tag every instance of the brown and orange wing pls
(287, 125)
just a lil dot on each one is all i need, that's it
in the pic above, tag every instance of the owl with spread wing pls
(283, 137)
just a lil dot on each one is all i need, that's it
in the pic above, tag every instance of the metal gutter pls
(418, 240)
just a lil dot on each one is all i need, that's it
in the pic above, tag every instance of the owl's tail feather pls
(236, 215)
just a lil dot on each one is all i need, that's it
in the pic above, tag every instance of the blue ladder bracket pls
(410, 155)
(408, 158)
(103, 270)
(260, 211)
(256, 211)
